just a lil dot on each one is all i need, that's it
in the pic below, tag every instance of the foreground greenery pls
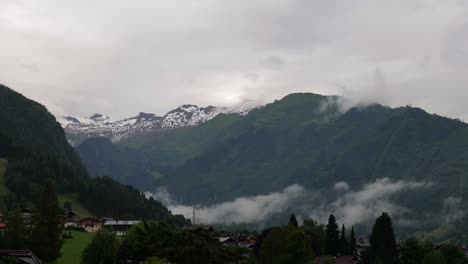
(41, 232)
(154, 242)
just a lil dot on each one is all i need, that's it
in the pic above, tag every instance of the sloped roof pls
(121, 223)
(24, 256)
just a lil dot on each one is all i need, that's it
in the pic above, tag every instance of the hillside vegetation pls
(3, 168)
(301, 139)
(36, 149)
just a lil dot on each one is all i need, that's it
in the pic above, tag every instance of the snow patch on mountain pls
(187, 115)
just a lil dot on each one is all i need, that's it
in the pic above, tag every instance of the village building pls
(239, 240)
(198, 228)
(71, 223)
(91, 224)
(362, 243)
(120, 227)
(26, 213)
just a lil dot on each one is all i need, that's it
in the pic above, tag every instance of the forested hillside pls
(303, 138)
(33, 149)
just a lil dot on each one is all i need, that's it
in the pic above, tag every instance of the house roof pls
(91, 218)
(338, 260)
(362, 242)
(24, 256)
(121, 223)
(197, 227)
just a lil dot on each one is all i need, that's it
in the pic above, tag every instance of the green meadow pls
(73, 247)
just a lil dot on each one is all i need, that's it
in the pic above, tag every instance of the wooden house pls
(91, 224)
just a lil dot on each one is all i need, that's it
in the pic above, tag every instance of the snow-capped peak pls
(100, 125)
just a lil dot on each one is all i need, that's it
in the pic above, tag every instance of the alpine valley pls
(208, 156)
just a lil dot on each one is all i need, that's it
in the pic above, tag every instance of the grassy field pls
(3, 167)
(72, 248)
(77, 208)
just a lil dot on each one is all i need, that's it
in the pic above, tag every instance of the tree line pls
(41, 231)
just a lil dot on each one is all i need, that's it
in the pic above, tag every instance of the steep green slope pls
(36, 149)
(145, 160)
(305, 139)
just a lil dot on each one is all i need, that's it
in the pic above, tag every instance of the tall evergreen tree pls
(45, 237)
(382, 241)
(343, 242)
(16, 236)
(332, 241)
(293, 221)
(352, 243)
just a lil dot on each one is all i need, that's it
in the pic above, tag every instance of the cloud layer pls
(366, 204)
(248, 210)
(122, 57)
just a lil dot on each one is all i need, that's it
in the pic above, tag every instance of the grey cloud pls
(155, 55)
(452, 211)
(366, 204)
(253, 209)
(341, 186)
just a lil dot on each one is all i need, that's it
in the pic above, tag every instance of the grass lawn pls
(3, 167)
(77, 208)
(72, 248)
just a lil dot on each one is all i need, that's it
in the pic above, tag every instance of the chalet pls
(91, 224)
(22, 256)
(26, 213)
(362, 243)
(71, 223)
(120, 227)
(229, 241)
(198, 228)
(239, 240)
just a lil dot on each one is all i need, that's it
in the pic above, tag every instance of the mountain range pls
(303, 139)
(187, 115)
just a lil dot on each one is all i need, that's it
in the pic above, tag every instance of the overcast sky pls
(121, 57)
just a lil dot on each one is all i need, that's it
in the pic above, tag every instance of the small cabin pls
(120, 227)
(91, 224)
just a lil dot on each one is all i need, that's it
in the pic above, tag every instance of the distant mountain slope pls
(303, 138)
(33, 149)
(99, 125)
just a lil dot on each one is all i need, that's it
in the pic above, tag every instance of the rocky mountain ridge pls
(187, 115)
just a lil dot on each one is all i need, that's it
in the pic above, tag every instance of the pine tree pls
(16, 234)
(45, 238)
(343, 242)
(382, 241)
(352, 243)
(332, 242)
(293, 221)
